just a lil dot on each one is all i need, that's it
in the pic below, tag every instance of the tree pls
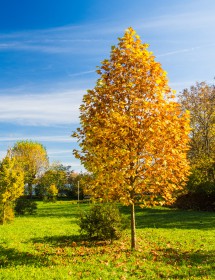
(32, 158)
(133, 135)
(54, 177)
(11, 187)
(200, 101)
(52, 192)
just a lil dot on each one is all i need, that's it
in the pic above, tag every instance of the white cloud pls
(41, 109)
(65, 39)
(52, 138)
(81, 73)
(58, 152)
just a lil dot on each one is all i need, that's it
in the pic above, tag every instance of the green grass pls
(172, 244)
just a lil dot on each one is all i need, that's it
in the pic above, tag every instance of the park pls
(143, 152)
(172, 244)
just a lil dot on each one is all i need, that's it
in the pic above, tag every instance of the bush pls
(25, 206)
(196, 201)
(101, 222)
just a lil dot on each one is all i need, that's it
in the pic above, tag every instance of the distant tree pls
(11, 187)
(80, 180)
(52, 193)
(32, 158)
(133, 135)
(200, 101)
(55, 175)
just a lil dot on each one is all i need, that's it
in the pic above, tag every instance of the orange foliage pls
(133, 135)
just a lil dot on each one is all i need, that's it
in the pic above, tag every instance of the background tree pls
(51, 177)
(133, 136)
(52, 193)
(200, 101)
(81, 180)
(11, 187)
(32, 158)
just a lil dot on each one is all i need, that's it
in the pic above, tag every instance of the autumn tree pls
(11, 187)
(200, 101)
(32, 158)
(133, 135)
(52, 192)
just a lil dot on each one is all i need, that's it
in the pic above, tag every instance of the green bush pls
(25, 206)
(101, 222)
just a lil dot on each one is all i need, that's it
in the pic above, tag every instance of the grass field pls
(172, 244)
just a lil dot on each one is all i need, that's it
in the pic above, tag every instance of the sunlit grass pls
(172, 244)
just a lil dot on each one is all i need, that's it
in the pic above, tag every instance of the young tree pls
(52, 193)
(11, 187)
(133, 136)
(32, 158)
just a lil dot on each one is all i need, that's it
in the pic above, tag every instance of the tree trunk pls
(133, 228)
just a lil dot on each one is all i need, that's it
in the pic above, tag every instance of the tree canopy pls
(133, 135)
(32, 158)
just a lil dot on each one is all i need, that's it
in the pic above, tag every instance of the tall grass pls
(172, 244)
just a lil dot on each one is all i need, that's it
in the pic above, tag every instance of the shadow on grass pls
(69, 241)
(171, 218)
(58, 241)
(13, 257)
(199, 263)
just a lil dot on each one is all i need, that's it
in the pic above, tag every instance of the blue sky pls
(49, 51)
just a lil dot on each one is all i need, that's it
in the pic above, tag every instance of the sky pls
(49, 51)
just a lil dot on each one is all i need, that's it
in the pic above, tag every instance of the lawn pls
(172, 244)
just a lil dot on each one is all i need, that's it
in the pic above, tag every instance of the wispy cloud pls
(52, 138)
(95, 37)
(62, 152)
(41, 109)
(186, 50)
(81, 73)
(181, 20)
(178, 51)
(65, 39)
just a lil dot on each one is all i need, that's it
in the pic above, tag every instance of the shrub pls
(101, 222)
(196, 201)
(25, 206)
(200, 197)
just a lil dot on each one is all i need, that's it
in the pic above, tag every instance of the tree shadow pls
(13, 257)
(69, 241)
(171, 218)
(199, 263)
(58, 241)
